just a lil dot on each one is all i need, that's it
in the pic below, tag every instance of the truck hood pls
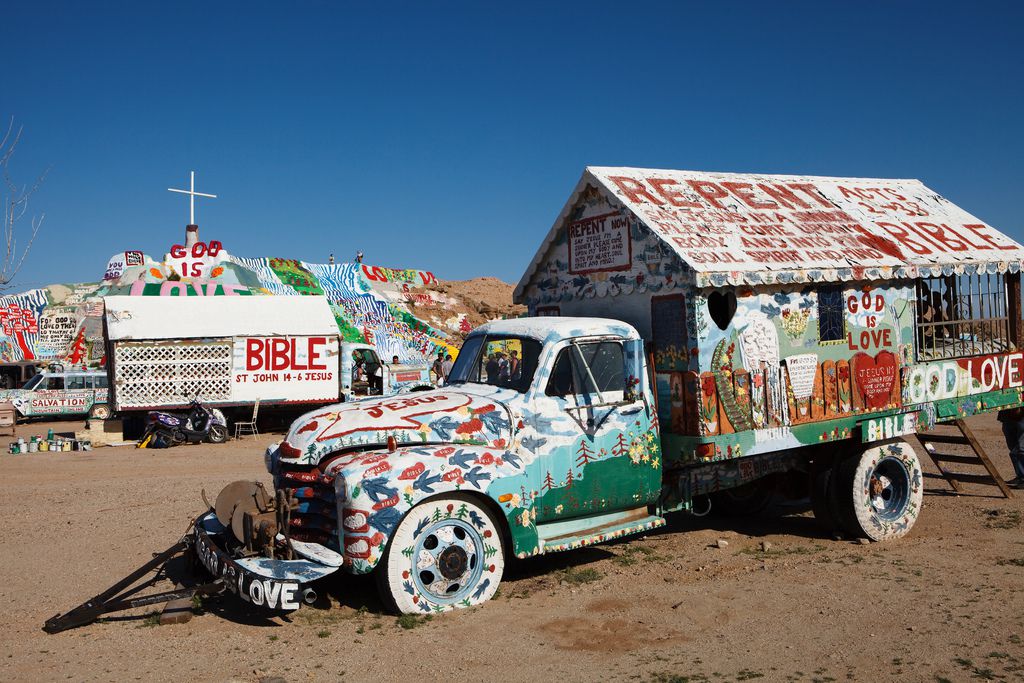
(468, 417)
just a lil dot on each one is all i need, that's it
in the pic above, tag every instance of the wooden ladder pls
(964, 438)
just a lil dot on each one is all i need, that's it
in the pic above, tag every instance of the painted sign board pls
(599, 243)
(196, 260)
(289, 368)
(889, 427)
(939, 380)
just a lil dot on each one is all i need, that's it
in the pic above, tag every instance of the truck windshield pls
(31, 384)
(497, 360)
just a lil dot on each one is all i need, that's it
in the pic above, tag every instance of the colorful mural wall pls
(64, 323)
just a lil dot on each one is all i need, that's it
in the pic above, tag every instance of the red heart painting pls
(875, 378)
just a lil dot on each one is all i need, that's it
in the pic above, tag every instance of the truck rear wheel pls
(879, 491)
(446, 553)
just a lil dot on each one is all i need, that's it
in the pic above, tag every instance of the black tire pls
(879, 491)
(218, 434)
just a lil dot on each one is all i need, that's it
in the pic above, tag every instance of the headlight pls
(270, 458)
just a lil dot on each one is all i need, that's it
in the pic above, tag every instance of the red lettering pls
(634, 190)
(674, 197)
(313, 357)
(745, 191)
(812, 192)
(903, 236)
(709, 191)
(279, 354)
(253, 354)
(198, 249)
(178, 251)
(981, 230)
(215, 247)
(938, 234)
(923, 234)
(783, 195)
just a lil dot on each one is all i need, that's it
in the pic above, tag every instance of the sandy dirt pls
(944, 603)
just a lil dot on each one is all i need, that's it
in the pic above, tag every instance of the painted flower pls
(524, 518)
(217, 272)
(155, 272)
(514, 500)
(474, 425)
(558, 509)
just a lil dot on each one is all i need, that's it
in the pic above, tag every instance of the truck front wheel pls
(446, 553)
(879, 491)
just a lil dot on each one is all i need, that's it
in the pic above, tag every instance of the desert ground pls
(780, 602)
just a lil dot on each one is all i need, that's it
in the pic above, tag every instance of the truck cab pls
(544, 439)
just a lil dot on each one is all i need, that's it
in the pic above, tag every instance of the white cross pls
(192, 197)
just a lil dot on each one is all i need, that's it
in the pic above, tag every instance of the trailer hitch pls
(119, 596)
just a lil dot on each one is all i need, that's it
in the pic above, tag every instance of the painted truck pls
(696, 335)
(234, 351)
(57, 393)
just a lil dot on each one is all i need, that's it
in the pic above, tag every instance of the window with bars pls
(831, 314)
(962, 315)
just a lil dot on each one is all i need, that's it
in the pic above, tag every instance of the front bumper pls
(276, 585)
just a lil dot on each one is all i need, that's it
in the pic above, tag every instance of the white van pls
(62, 393)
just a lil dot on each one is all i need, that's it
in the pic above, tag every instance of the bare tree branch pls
(16, 200)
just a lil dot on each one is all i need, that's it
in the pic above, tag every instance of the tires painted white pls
(445, 554)
(881, 490)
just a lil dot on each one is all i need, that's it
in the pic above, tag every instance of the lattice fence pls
(166, 373)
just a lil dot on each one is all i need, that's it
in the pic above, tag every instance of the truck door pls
(602, 455)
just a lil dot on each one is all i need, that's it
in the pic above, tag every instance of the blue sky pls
(446, 136)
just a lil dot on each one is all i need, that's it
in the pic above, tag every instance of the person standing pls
(446, 366)
(1012, 420)
(437, 369)
(514, 366)
(491, 368)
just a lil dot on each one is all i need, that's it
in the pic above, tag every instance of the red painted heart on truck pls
(875, 378)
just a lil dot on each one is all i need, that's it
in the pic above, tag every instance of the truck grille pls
(315, 520)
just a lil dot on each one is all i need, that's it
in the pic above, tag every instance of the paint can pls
(44, 445)
(33, 446)
(67, 446)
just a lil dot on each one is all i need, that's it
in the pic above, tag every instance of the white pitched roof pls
(198, 317)
(732, 228)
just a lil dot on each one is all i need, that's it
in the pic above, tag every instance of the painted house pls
(782, 310)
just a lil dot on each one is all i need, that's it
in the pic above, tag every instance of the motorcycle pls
(198, 425)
